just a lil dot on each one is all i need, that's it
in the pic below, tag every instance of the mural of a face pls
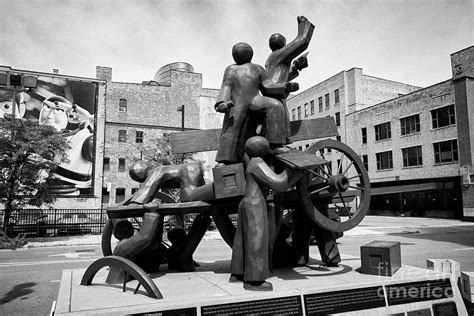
(7, 108)
(54, 112)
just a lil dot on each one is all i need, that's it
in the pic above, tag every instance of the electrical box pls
(381, 258)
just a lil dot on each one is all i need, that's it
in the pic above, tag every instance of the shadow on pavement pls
(18, 290)
(461, 235)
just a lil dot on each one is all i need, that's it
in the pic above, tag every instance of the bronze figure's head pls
(242, 53)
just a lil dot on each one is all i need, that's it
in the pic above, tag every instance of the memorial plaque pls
(344, 301)
(445, 309)
(420, 312)
(190, 311)
(406, 293)
(290, 305)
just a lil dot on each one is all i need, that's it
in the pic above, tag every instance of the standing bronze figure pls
(251, 251)
(239, 94)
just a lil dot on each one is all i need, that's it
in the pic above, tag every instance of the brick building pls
(416, 143)
(137, 113)
(343, 93)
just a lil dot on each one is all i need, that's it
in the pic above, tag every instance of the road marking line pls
(20, 264)
(55, 281)
(460, 249)
(72, 255)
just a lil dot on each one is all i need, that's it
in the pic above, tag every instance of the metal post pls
(181, 109)
(13, 104)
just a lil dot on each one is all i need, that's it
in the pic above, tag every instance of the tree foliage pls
(27, 151)
(158, 152)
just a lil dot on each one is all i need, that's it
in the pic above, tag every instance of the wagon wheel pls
(108, 230)
(343, 184)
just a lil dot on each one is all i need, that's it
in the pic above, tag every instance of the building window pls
(412, 157)
(338, 118)
(299, 112)
(306, 110)
(410, 124)
(121, 166)
(320, 102)
(383, 131)
(105, 196)
(365, 160)
(336, 96)
(326, 100)
(139, 137)
(106, 164)
(123, 105)
(135, 190)
(329, 167)
(338, 138)
(384, 160)
(122, 137)
(339, 166)
(293, 114)
(311, 107)
(443, 116)
(119, 195)
(446, 151)
(364, 135)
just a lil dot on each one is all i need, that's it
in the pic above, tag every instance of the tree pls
(158, 152)
(27, 151)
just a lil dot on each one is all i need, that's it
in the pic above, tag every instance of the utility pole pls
(14, 103)
(181, 109)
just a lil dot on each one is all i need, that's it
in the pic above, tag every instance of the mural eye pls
(6, 107)
(46, 107)
(59, 110)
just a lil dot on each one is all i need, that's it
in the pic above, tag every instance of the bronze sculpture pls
(279, 64)
(239, 95)
(251, 251)
(267, 164)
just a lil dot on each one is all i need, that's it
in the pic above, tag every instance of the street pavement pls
(371, 225)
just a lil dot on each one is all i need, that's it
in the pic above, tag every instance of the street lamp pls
(181, 109)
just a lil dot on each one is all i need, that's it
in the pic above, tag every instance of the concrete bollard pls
(467, 286)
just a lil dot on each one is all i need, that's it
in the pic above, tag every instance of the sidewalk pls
(371, 225)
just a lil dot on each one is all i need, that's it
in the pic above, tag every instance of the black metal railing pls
(46, 222)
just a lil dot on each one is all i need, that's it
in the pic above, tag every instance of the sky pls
(409, 41)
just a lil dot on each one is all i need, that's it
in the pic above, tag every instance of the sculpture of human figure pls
(189, 177)
(238, 95)
(279, 64)
(251, 250)
(135, 247)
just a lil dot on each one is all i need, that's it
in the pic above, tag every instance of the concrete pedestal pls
(308, 290)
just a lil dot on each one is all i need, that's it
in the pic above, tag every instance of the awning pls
(405, 188)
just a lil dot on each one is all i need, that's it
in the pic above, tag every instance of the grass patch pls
(12, 243)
